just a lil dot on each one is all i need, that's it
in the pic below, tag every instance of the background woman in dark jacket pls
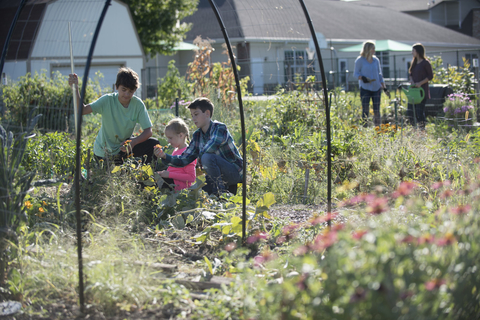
(420, 73)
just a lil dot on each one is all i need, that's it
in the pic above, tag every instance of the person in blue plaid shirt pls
(214, 147)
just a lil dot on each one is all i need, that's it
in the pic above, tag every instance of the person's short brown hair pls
(203, 104)
(128, 78)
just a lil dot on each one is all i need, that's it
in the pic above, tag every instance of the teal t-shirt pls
(118, 122)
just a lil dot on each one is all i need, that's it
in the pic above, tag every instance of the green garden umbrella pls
(182, 46)
(381, 45)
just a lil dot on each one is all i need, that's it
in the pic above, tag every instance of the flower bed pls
(458, 110)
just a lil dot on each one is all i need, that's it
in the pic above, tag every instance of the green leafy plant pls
(170, 87)
(51, 95)
(53, 155)
(14, 183)
(460, 79)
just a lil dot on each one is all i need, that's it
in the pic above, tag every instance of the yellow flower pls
(28, 204)
(41, 210)
(44, 203)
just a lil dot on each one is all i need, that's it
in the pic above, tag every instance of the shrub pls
(52, 95)
(460, 79)
(171, 86)
(52, 155)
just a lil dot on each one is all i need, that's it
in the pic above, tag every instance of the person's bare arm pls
(73, 79)
(419, 84)
(147, 133)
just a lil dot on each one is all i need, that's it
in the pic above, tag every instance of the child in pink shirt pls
(177, 133)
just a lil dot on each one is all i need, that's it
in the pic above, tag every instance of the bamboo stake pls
(74, 89)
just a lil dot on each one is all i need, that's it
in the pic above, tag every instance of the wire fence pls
(290, 74)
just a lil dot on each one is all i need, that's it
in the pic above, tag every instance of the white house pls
(271, 37)
(41, 38)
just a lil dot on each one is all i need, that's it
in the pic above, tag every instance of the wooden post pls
(72, 69)
(305, 188)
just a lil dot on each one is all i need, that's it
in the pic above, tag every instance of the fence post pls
(396, 114)
(305, 189)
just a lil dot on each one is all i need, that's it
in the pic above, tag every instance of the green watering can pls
(414, 95)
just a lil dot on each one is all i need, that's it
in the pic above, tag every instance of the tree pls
(157, 22)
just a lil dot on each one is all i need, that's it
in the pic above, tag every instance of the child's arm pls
(147, 133)
(188, 156)
(218, 138)
(73, 79)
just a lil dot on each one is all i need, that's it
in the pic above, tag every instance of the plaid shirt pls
(216, 140)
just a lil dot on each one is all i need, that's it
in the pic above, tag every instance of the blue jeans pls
(220, 173)
(366, 95)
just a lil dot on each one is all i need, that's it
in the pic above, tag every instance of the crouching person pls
(120, 111)
(214, 147)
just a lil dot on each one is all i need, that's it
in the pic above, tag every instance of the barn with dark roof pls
(40, 41)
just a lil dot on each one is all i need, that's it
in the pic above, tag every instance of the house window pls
(297, 66)
(384, 62)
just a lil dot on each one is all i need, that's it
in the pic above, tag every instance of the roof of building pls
(53, 20)
(25, 30)
(336, 20)
(399, 5)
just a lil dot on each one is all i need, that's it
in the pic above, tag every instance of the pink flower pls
(434, 284)
(281, 239)
(426, 238)
(231, 246)
(447, 240)
(338, 227)
(300, 251)
(323, 241)
(446, 194)
(356, 200)
(290, 228)
(377, 206)
(258, 261)
(257, 236)
(357, 235)
(264, 257)
(289, 231)
(461, 209)
(404, 189)
(437, 185)
(409, 239)
(318, 220)
(360, 198)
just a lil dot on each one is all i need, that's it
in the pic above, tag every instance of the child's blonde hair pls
(177, 125)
